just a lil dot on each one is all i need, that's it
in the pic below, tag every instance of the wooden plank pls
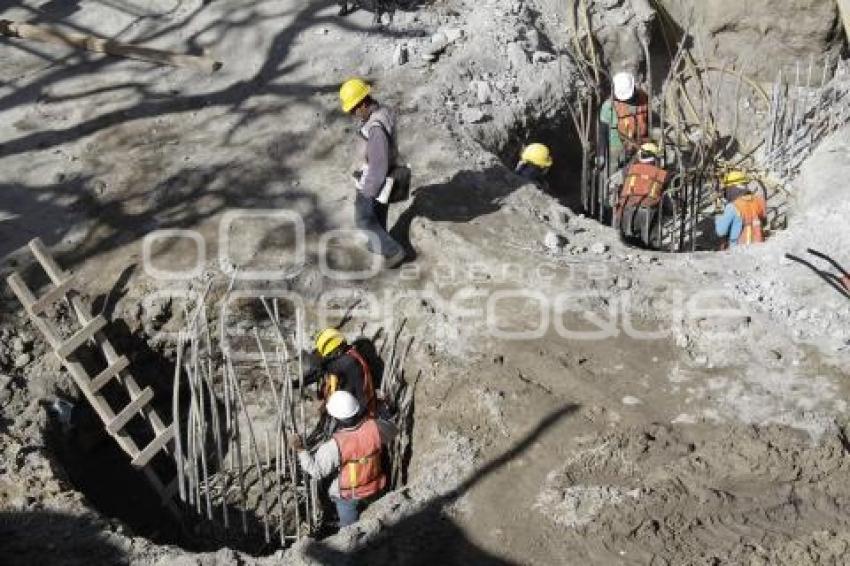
(81, 337)
(109, 373)
(155, 446)
(21, 291)
(52, 296)
(45, 258)
(25, 296)
(57, 274)
(128, 412)
(56, 36)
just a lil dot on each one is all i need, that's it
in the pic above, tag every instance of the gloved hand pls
(600, 162)
(296, 443)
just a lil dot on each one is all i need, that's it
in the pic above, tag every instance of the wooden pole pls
(99, 45)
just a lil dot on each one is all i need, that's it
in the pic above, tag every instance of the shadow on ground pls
(429, 536)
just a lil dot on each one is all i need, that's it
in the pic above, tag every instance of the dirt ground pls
(583, 403)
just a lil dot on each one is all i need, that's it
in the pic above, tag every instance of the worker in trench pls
(744, 213)
(335, 365)
(637, 213)
(381, 179)
(534, 164)
(623, 124)
(352, 456)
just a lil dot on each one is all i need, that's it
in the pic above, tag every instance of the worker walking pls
(352, 454)
(745, 213)
(377, 133)
(637, 213)
(623, 123)
(534, 165)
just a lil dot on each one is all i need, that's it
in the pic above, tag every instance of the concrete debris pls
(400, 55)
(471, 115)
(538, 57)
(598, 248)
(22, 360)
(554, 242)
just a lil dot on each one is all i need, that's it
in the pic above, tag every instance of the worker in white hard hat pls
(353, 454)
(637, 211)
(623, 123)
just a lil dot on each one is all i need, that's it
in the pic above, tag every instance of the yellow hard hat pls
(650, 148)
(329, 340)
(537, 154)
(352, 92)
(735, 177)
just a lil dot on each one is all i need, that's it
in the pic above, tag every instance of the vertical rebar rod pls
(254, 449)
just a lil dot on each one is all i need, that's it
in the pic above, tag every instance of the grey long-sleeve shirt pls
(326, 460)
(378, 157)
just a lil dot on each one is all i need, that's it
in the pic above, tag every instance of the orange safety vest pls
(633, 120)
(751, 210)
(644, 180)
(360, 473)
(332, 383)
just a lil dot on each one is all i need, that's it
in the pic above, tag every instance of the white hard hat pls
(624, 85)
(342, 405)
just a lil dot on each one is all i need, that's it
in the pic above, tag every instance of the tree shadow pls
(837, 282)
(429, 536)
(52, 537)
(468, 195)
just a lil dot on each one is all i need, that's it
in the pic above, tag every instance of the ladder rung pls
(155, 446)
(81, 337)
(109, 373)
(128, 412)
(52, 296)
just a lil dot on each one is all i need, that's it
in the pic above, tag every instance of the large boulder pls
(763, 35)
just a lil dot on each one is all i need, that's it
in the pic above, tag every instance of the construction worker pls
(342, 367)
(744, 214)
(623, 123)
(534, 165)
(637, 210)
(380, 152)
(353, 453)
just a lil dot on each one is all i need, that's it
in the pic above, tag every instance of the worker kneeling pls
(637, 212)
(744, 215)
(353, 454)
(534, 165)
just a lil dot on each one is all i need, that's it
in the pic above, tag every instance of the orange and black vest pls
(751, 209)
(360, 473)
(633, 119)
(644, 180)
(332, 383)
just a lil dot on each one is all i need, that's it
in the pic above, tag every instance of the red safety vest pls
(751, 209)
(360, 473)
(633, 120)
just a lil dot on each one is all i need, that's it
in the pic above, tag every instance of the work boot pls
(394, 260)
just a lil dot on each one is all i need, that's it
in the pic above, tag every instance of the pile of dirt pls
(663, 495)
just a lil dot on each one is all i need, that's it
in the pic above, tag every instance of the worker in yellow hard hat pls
(534, 164)
(381, 178)
(337, 365)
(744, 215)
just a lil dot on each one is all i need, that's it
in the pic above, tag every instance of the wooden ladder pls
(92, 387)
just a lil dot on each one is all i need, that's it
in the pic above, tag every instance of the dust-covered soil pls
(578, 401)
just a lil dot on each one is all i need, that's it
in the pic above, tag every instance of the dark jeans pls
(371, 217)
